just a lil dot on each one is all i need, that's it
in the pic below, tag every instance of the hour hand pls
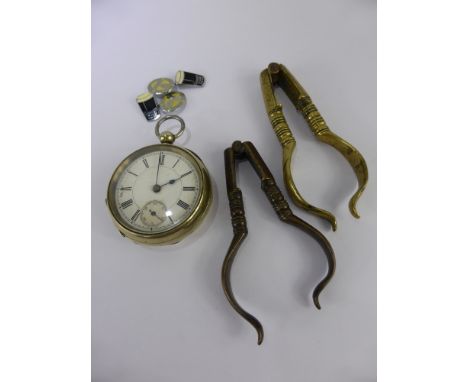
(157, 187)
(172, 181)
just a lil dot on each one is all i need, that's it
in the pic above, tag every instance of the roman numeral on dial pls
(182, 204)
(189, 188)
(125, 188)
(145, 162)
(135, 216)
(127, 203)
(162, 156)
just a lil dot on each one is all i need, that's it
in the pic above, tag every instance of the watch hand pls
(157, 188)
(172, 181)
(157, 170)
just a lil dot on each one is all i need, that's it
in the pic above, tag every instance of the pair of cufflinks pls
(163, 96)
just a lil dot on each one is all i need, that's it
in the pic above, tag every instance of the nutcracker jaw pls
(247, 151)
(279, 75)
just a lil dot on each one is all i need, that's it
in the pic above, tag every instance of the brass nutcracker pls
(247, 151)
(279, 75)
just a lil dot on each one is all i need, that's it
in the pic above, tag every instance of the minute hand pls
(157, 170)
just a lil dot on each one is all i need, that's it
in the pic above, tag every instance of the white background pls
(159, 313)
(422, 119)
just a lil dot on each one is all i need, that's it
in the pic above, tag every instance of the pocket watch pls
(160, 193)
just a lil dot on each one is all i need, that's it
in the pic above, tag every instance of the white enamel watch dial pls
(157, 191)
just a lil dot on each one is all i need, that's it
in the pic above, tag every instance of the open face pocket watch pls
(160, 193)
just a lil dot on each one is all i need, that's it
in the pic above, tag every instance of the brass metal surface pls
(279, 75)
(247, 151)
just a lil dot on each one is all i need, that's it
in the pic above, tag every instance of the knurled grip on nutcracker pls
(246, 151)
(279, 75)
